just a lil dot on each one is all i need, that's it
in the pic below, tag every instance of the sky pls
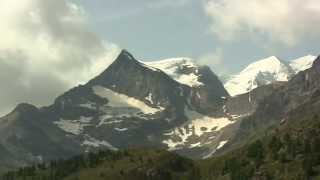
(233, 32)
(49, 46)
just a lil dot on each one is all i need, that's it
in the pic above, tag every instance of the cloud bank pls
(214, 60)
(284, 21)
(46, 48)
(166, 3)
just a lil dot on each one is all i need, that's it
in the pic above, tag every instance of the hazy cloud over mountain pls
(46, 48)
(285, 21)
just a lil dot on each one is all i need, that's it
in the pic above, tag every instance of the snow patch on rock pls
(88, 105)
(221, 144)
(74, 127)
(121, 129)
(149, 98)
(92, 142)
(121, 100)
(197, 125)
(172, 68)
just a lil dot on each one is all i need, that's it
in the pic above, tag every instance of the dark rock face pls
(83, 119)
(25, 108)
(208, 98)
(288, 99)
(246, 104)
(27, 137)
(132, 104)
(316, 64)
(128, 76)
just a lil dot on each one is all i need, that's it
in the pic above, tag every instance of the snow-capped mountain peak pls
(259, 73)
(266, 71)
(184, 70)
(271, 64)
(302, 63)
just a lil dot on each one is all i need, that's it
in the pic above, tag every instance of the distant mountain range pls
(172, 104)
(288, 149)
(266, 71)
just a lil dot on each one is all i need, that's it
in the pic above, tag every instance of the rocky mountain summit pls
(130, 104)
(266, 71)
(172, 104)
(296, 99)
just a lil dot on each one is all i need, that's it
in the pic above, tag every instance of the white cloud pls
(284, 21)
(214, 60)
(139, 8)
(166, 3)
(46, 47)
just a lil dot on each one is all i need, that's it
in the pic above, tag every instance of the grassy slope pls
(139, 165)
(121, 165)
(291, 151)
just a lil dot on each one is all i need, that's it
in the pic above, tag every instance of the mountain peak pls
(270, 59)
(316, 63)
(25, 108)
(270, 62)
(271, 65)
(302, 63)
(273, 58)
(121, 66)
(183, 70)
(172, 62)
(261, 72)
(126, 53)
(124, 59)
(126, 56)
(266, 71)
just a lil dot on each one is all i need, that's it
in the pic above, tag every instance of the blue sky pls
(161, 29)
(50, 46)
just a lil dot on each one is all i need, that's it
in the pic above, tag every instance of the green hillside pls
(121, 165)
(288, 152)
